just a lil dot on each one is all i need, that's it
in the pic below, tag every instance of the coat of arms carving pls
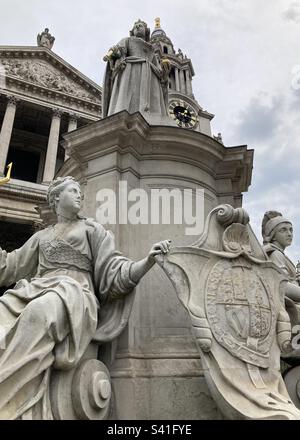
(235, 298)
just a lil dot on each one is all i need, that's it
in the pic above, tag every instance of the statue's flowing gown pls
(134, 83)
(49, 318)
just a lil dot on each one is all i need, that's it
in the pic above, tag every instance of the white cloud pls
(292, 13)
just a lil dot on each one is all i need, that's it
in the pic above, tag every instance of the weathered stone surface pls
(158, 341)
(51, 316)
(45, 39)
(135, 80)
(234, 298)
(43, 74)
(277, 234)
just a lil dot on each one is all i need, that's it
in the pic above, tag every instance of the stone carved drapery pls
(134, 78)
(49, 367)
(45, 75)
(235, 299)
(45, 39)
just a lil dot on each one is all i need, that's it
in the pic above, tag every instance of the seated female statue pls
(62, 274)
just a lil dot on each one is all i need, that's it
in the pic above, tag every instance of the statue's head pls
(64, 192)
(47, 30)
(277, 229)
(141, 30)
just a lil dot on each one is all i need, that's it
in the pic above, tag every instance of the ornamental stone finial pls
(45, 39)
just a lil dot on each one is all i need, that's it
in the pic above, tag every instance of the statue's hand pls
(112, 54)
(162, 247)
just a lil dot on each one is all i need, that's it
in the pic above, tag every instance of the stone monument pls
(235, 299)
(65, 276)
(156, 371)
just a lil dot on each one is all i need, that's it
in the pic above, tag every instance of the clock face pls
(183, 113)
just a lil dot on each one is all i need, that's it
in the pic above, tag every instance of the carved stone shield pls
(240, 310)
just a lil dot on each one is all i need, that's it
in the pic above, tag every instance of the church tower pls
(183, 108)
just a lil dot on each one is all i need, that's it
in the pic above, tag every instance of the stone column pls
(177, 86)
(73, 119)
(189, 89)
(182, 81)
(52, 148)
(6, 131)
(72, 122)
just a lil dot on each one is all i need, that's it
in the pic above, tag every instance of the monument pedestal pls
(156, 370)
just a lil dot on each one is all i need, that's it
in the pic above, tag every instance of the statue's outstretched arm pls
(114, 274)
(140, 268)
(20, 263)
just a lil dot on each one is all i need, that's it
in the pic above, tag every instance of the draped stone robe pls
(134, 81)
(287, 266)
(49, 318)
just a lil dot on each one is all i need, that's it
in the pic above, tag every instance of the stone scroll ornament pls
(235, 298)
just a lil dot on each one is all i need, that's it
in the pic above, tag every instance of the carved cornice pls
(125, 133)
(17, 194)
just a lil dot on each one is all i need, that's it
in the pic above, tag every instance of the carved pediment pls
(41, 73)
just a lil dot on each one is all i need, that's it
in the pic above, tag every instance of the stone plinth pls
(157, 373)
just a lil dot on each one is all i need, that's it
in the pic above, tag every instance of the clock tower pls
(183, 107)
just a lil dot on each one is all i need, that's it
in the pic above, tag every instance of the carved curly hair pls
(56, 187)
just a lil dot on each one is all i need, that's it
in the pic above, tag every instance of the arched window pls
(165, 49)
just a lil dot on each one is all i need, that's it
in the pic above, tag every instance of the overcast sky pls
(246, 56)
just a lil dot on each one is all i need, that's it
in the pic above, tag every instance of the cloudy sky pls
(246, 55)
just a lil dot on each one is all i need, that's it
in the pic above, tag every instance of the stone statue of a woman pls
(63, 274)
(135, 80)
